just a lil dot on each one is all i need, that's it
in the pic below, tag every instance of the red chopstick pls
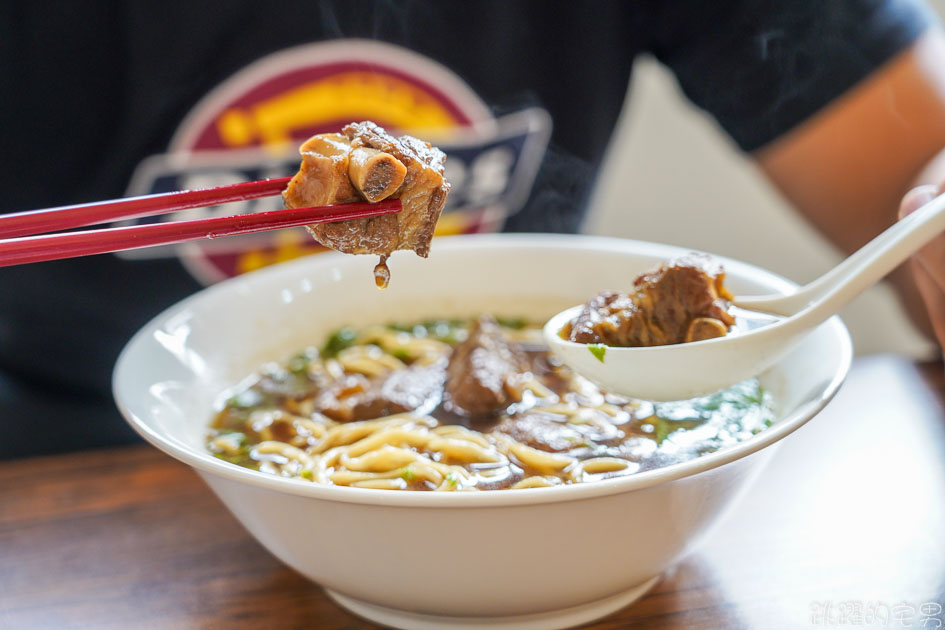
(27, 249)
(65, 217)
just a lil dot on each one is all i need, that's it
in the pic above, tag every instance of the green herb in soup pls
(447, 405)
(599, 350)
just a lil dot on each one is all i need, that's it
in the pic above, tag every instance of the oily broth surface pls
(562, 430)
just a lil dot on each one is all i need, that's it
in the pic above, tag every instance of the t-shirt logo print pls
(250, 126)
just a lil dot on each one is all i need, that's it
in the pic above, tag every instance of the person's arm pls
(848, 168)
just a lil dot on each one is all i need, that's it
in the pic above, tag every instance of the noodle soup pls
(452, 405)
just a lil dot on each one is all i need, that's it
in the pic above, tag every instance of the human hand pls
(928, 264)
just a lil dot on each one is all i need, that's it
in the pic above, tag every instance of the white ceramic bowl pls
(540, 558)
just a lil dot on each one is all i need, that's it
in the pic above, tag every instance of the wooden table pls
(845, 529)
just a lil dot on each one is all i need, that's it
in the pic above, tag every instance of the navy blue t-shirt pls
(92, 89)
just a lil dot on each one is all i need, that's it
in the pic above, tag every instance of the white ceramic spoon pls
(686, 370)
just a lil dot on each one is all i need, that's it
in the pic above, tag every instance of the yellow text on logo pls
(344, 96)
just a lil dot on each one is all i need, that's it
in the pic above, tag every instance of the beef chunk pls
(424, 189)
(365, 162)
(551, 432)
(355, 397)
(681, 301)
(479, 371)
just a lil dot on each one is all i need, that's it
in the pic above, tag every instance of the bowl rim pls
(206, 463)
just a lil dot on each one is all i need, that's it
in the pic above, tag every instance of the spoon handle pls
(859, 271)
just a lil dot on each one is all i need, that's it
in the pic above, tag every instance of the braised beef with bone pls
(364, 162)
(681, 301)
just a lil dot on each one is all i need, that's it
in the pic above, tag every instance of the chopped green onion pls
(598, 350)
(298, 364)
(245, 399)
(515, 323)
(401, 353)
(339, 340)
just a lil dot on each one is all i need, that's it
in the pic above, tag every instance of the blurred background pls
(671, 176)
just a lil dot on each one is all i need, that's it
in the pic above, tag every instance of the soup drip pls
(382, 274)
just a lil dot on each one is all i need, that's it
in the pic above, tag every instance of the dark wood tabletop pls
(845, 529)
